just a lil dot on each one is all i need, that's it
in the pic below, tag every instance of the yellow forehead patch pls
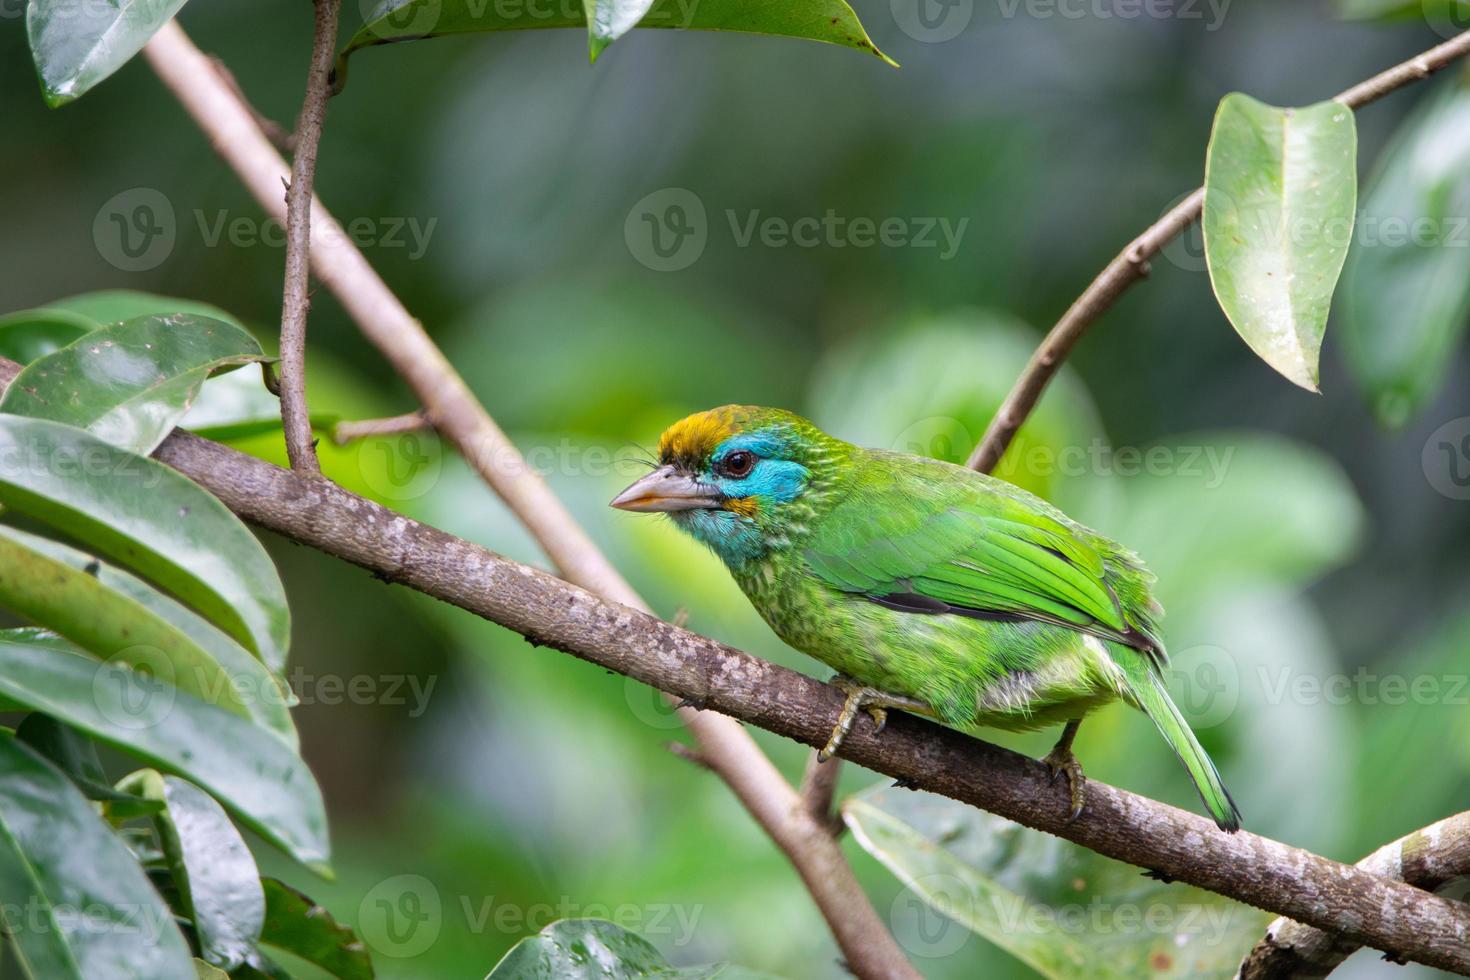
(695, 437)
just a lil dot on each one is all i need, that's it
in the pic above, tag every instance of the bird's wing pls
(927, 537)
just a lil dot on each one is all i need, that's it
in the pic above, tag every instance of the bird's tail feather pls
(1151, 697)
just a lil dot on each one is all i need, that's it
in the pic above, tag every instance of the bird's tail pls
(1149, 695)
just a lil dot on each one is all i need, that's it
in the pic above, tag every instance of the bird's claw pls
(1064, 761)
(874, 702)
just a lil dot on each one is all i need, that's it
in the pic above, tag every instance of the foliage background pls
(533, 784)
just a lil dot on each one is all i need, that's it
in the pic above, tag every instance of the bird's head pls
(744, 480)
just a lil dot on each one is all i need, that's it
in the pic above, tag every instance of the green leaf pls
(234, 406)
(1067, 912)
(594, 949)
(1281, 190)
(130, 382)
(258, 778)
(78, 43)
(76, 756)
(299, 926)
(30, 334)
(1407, 287)
(211, 866)
(608, 20)
(207, 972)
(107, 624)
(108, 306)
(830, 21)
(1436, 11)
(266, 697)
(77, 905)
(148, 517)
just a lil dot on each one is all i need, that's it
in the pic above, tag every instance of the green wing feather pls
(941, 536)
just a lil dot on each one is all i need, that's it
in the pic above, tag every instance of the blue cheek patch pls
(735, 539)
(778, 480)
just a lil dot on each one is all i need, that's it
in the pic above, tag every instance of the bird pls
(928, 587)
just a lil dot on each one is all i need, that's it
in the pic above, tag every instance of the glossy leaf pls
(78, 43)
(266, 697)
(1280, 199)
(130, 382)
(608, 20)
(207, 972)
(1067, 912)
(234, 406)
(77, 905)
(107, 624)
(259, 779)
(30, 334)
(301, 927)
(108, 306)
(830, 21)
(1407, 287)
(594, 949)
(76, 756)
(211, 866)
(150, 518)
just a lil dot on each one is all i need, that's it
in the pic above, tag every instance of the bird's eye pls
(736, 465)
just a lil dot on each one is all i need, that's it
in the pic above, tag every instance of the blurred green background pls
(1307, 557)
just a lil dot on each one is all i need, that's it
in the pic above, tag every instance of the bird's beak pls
(666, 489)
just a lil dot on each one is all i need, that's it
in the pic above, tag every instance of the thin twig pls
(866, 943)
(819, 788)
(345, 432)
(1131, 265)
(1362, 906)
(295, 418)
(1429, 859)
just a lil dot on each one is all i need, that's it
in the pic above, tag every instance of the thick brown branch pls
(295, 419)
(1131, 265)
(548, 611)
(866, 943)
(1427, 859)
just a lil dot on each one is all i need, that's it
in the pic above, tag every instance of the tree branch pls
(295, 418)
(1131, 265)
(866, 943)
(548, 611)
(345, 432)
(1427, 859)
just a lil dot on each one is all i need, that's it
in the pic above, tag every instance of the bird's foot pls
(1061, 760)
(861, 697)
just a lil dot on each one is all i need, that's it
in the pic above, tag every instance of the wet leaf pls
(130, 382)
(77, 905)
(152, 519)
(1067, 912)
(1407, 284)
(78, 43)
(211, 866)
(593, 949)
(259, 779)
(830, 21)
(299, 926)
(266, 697)
(1280, 199)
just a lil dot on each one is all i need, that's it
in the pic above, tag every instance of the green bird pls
(929, 587)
